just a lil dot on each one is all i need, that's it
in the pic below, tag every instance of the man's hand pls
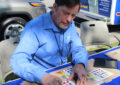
(81, 73)
(51, 80)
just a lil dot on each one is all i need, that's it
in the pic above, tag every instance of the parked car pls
(15, 13)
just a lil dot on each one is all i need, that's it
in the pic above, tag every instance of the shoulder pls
(37, 25)
(38, 22)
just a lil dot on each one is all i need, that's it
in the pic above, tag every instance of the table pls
(101, 55)
(114, 81)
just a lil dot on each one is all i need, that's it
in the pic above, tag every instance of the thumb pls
(71, 76)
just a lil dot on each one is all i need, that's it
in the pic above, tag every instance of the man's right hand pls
(51, 80)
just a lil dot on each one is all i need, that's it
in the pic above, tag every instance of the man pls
(46, 42)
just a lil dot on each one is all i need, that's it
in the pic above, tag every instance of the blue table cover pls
(115, 81)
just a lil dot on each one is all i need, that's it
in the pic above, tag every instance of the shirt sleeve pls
(21, 59)
(78, 51)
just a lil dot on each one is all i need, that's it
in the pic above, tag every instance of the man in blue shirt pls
(46, 42)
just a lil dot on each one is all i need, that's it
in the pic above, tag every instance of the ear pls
(54, 7)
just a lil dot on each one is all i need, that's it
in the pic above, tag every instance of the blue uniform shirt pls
(43, 46)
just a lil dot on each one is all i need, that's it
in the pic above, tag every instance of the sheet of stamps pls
(95, 75)
(99, 74)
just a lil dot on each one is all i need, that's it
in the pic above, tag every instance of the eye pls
(66, 13)
(73, 15)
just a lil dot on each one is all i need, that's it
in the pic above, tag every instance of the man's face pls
(63, 15)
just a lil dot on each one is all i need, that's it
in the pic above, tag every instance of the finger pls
(78, 82)
(81, 79)
(71, 76)
(59, 80)
(84, 83)
(85, 79)
(81, 76)
(55, 82)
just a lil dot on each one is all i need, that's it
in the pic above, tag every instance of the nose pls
(69, 18)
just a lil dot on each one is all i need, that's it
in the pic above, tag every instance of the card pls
(99, 74)
(68, 83)
(62, 74)
(65, 73)
(68, 71)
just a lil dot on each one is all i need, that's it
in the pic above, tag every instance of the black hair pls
(68, 3)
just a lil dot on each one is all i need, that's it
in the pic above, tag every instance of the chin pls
(64, 27)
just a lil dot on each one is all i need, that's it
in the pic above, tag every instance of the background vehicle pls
(105, 10)
(15, 13)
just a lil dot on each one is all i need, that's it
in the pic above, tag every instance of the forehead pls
(74, 9)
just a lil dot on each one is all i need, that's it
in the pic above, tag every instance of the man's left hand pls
(81, 73)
